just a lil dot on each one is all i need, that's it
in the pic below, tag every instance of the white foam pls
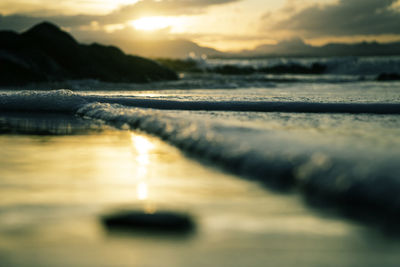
(272, 157)
(63, 100)
(68, 102)
(256, 106)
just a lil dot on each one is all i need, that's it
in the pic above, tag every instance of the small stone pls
(388, 77)
(162, 221)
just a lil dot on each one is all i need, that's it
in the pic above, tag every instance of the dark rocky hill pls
(46, 53)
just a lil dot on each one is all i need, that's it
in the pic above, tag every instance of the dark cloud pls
(19, 22)
(345, 18)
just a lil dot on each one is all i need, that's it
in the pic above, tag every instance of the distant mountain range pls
(297, 47)
(168, 49)
(294, 47)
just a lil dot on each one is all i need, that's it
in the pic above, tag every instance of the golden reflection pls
(143, 159)
(141, 171)
(142, 147)
(142, 192)
(141, 144)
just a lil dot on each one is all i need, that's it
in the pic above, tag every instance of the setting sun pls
(154, 23)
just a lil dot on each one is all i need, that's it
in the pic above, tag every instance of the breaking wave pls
(68, 102)
(360, 178)
(63, 101)
(349, 179)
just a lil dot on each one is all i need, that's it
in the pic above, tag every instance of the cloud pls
(161, 8)
(123, 14)
(17, 22)
(343, 18)
(20, 22)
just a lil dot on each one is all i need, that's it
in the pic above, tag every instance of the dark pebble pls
(162, 221)
(388, 77)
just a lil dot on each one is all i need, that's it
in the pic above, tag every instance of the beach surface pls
(273, 170)
(55, 188)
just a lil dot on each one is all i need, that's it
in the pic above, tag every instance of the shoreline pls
(80, 176)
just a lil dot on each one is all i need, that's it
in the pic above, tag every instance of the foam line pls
(68, 102)
(255, 106)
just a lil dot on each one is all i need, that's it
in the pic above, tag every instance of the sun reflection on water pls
(141, 191)
(143, 148)
(141, 144)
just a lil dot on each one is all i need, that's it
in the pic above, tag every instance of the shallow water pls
(54, 188)
(280, 170)
(309, 91)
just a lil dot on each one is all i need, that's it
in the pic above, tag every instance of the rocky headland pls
(45, 53)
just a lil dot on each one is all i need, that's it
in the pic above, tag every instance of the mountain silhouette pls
(47, 53)
(297, 47)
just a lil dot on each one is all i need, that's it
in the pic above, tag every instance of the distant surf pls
(327, 65)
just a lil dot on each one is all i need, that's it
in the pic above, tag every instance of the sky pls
(227, 25)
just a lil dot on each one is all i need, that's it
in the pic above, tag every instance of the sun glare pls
(154, 23)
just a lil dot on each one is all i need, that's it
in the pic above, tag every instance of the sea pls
(284, 169)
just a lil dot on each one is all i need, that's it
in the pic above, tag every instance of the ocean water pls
(289, 169)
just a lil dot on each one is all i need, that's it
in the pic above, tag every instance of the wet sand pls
(55, 186)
